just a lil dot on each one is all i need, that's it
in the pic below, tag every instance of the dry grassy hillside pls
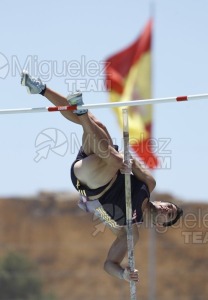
(70, 248)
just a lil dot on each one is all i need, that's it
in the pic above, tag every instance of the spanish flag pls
(128, 77)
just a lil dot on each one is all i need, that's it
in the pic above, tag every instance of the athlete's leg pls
(35, 86)
(103, 161)
(59, 100)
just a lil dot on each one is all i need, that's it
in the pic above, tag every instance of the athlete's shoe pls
(76, 99)
(33, 85)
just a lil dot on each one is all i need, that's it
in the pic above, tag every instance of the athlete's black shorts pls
(113, 201)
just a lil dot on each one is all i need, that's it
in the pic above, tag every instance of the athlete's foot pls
(76, 99)
(33, 85)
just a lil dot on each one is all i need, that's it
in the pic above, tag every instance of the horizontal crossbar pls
(105, 105)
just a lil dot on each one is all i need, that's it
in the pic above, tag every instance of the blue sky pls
(61, 41)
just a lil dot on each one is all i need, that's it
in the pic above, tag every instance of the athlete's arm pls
(117, 253)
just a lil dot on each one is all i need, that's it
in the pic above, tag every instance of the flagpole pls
(130, 241)
(105, 105)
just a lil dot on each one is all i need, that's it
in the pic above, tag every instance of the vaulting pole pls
(130, 242)
(105, 105)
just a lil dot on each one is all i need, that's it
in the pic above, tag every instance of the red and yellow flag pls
(128, 77)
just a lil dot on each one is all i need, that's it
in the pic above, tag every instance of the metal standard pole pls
(152, 263)
(130, 242)
(105, 105)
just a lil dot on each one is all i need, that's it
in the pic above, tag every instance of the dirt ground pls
(70, 247)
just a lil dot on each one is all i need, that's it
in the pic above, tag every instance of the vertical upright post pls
(130, 242)
(152, 264)
(152, 235)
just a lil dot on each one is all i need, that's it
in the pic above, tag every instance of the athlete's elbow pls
(107, 266)
(114, 269)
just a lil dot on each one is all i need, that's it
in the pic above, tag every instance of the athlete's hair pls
(178, 215)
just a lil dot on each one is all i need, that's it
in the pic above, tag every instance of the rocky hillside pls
(70, 247)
